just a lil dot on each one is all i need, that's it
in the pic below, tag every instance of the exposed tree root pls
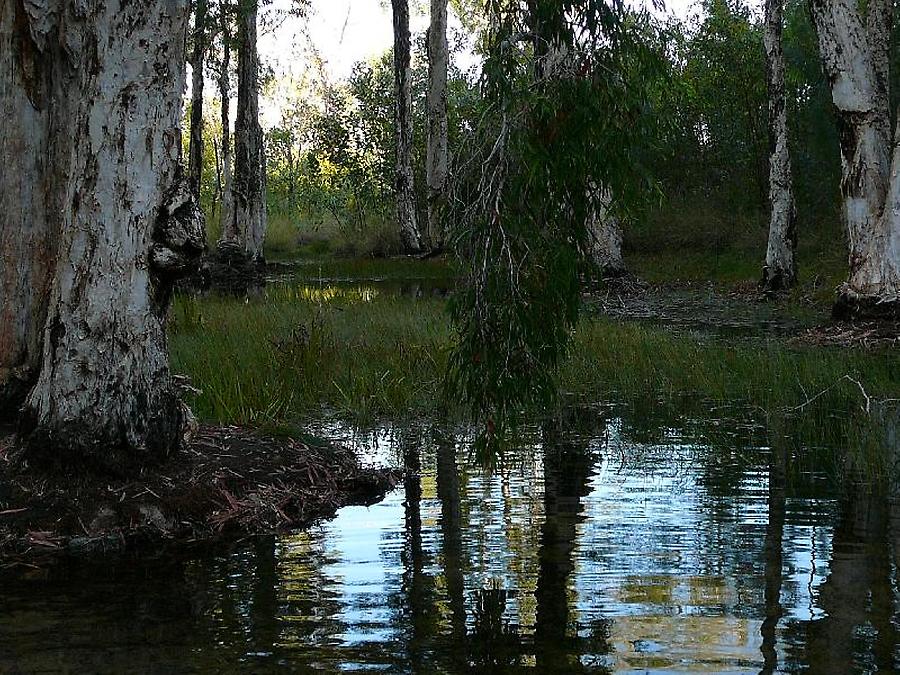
(775, 283)
(856, 334)
(231, 270)
(851, 307)
(229, 482)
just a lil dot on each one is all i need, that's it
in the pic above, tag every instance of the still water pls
(602, 547)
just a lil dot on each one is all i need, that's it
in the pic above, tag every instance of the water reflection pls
(603, 548)
(774, 560)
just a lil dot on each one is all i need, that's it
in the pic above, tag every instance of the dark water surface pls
(603, 548)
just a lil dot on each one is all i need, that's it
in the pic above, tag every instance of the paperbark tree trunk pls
(552, 60)
(198, 53)
(437, 159)
(124, 221)
(248, 188)
(404, 184)
(780, 271)
(855, 49)
(606, 239)
(229, 230)
(26, 228)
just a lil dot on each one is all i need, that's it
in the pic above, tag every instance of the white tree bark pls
(855, 53)
(404, 185)
(437, 147)
(229, 230)
(26, 230)
(249, 187)
(606, 238)
(603, 227)
(128, 227)
(198, 54)
(780, 270)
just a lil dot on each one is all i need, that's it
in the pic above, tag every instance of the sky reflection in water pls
(593, 553)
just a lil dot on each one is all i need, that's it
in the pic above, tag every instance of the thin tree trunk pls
(855, 53)
(26, 227)
(248, 189)
(217, 157)
(128, 229)
(780, 271)
(404, 184)
(229, 228)
(195, 151)
(437, 150)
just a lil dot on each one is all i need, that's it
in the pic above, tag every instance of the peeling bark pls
(780, 271)
(26, 229)
(437, 146)
(248, 188)
(229, 231)
(128, 228)
(854, 42)
(404, 186)
(195, 152)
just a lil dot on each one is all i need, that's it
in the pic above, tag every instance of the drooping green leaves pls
(566, 86)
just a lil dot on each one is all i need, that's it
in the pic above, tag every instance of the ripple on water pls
(591, 553)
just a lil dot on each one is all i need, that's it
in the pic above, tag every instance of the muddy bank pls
(230, 482)
(865, 334)
(739, 312)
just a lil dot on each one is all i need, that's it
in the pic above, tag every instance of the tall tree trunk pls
(229, 229)
(198, 53)
(606, 238)
(26, 230)
(404, 184)
(248, 189)
(855, 53)
(552, 61)
(780, 271)
(437, 165)
(128, 228)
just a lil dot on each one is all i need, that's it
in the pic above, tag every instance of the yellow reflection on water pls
(691, 626)
(709, 644)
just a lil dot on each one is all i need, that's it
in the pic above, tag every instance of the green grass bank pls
(364, 354)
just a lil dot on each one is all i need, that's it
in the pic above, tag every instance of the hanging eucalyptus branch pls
(567, 91)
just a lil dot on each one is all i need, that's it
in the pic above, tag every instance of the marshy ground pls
(699, 499)
(366, 342)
